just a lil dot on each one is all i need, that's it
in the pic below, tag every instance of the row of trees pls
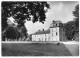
(72, 27)
(14, 33)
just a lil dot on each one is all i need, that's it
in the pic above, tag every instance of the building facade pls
(54, 33)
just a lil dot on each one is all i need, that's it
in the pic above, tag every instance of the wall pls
(40, 37)
(53, 35)
(62, 34)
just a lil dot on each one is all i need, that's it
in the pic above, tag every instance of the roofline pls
(40, 34)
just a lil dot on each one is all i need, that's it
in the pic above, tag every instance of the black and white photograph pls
(39, 28)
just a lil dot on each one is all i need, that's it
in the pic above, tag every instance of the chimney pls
(39, 30)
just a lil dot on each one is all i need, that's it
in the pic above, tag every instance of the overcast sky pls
(59, 10)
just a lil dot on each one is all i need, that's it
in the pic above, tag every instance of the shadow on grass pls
(34, 49)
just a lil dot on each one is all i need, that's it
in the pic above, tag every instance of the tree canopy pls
(69, 29)
(76, 14)
(22, 11)
(12, 33)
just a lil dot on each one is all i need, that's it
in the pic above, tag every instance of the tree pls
(10, 33)
(4, 21)
(76, 14)
(14, 32)
(22, 11)
(23, 31)
(72, 27)
(69, 29)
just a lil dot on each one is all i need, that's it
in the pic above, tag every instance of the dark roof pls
(42, 32)
(56, 24)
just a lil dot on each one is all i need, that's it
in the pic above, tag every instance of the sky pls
(59, 10)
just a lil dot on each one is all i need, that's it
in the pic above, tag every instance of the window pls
(56, 33)
(39, 39)
(42, 39)
(52, 34)
(35, 36)
(45, 39)
(56, 24)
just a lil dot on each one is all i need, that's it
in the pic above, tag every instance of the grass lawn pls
(73, 48)
(34, 49)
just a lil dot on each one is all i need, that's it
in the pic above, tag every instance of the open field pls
(34, 49)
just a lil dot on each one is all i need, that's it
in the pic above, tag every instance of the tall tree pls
(10, 33)
(23, 31)
(72, 27)
(22, 11)
(69, 29)
(76, 14)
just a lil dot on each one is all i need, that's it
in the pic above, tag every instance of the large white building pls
(54, 33)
